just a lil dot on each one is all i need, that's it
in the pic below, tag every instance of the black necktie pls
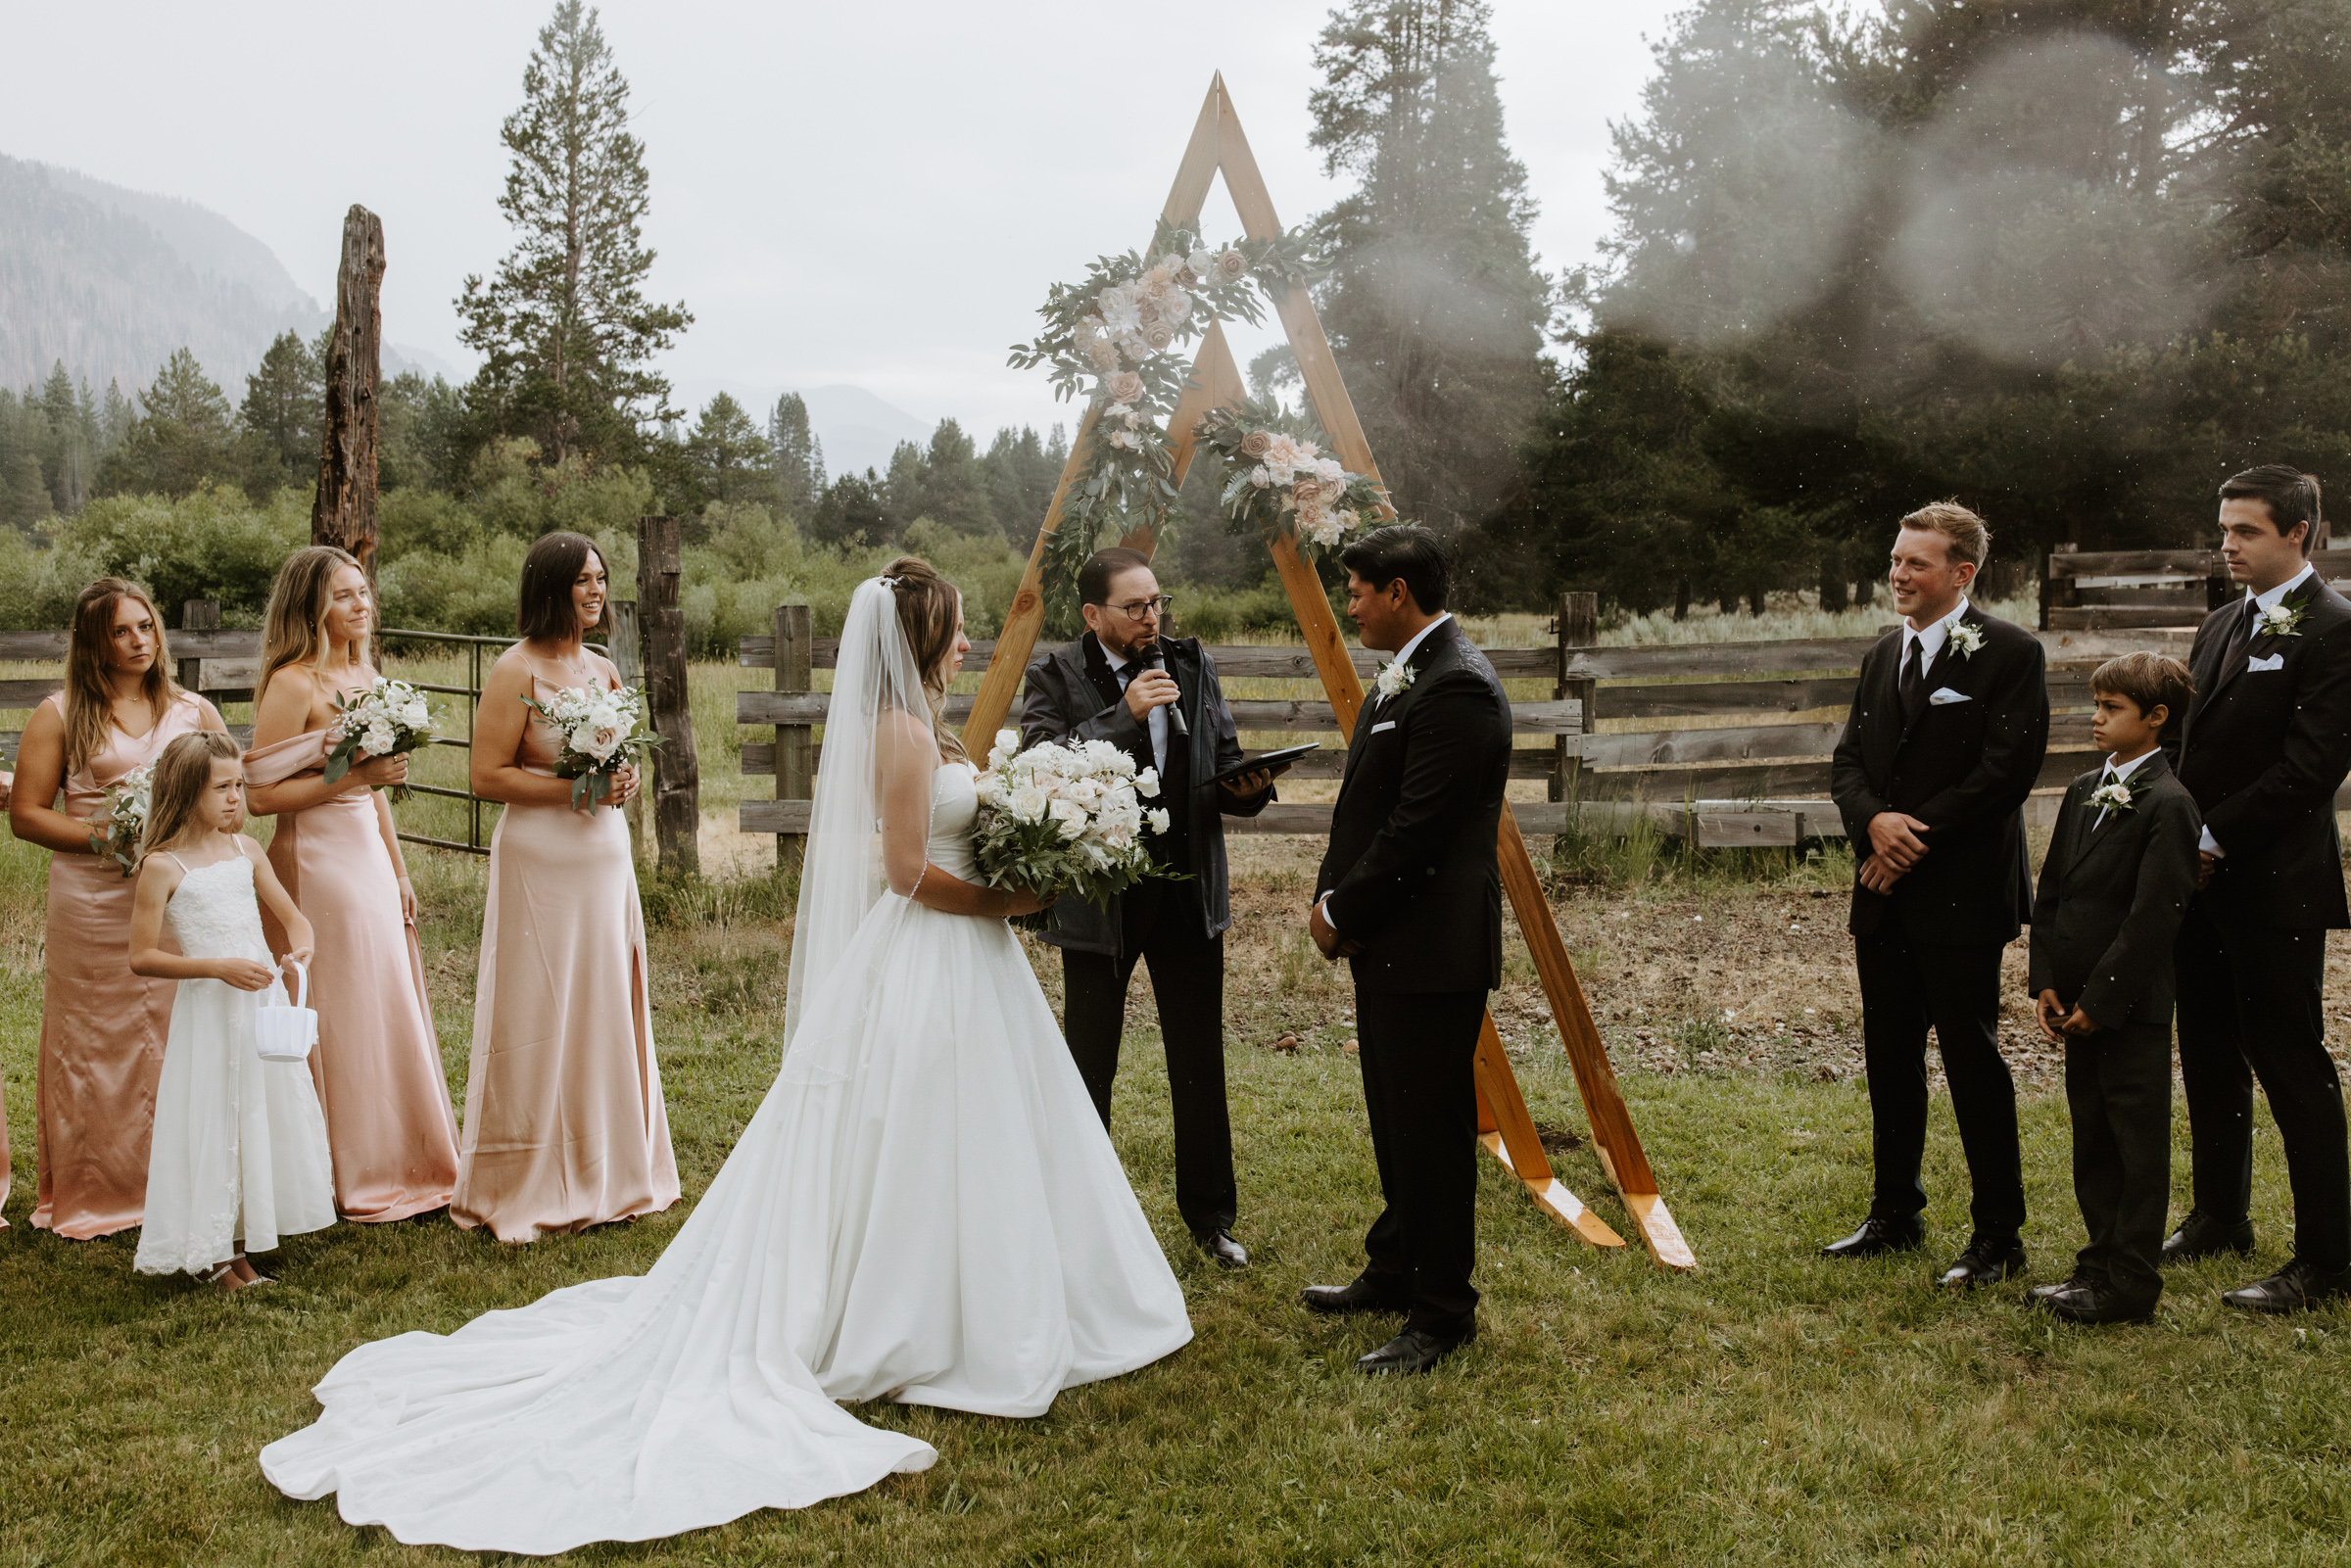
(1914, 679)
(2241, 644)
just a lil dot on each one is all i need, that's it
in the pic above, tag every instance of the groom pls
(1411, 895)
(1161, 704)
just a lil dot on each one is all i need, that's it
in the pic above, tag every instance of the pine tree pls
(1434, 305)
(728, 456)
(566, 332)
(70, 465)
(185, 435)
(285, 399)
(799, 457)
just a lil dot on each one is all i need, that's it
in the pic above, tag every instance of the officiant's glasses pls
(1143, 609)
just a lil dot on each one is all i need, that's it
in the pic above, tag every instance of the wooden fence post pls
(795, 776)
(1578, 627)
(2056, 592)
(197, 615)
(342, 512)
(677, 788)
(627, 642)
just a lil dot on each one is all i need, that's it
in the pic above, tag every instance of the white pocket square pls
(1384, 724)
(2276, 661)
(1944, 696)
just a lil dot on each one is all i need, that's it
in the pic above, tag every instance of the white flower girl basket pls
(287, 1033)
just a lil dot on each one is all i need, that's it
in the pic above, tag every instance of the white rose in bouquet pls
(1157, 820)
(1028, 803)
(600, 736)
(391, 717)
(1146, 783)
(1070, 816)
(1064, 819)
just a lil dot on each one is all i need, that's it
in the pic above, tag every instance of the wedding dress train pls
(925, 1209)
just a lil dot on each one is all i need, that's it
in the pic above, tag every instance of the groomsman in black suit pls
(1160, 701)
(1946, 741)
(1411, 895)
(2267, 743)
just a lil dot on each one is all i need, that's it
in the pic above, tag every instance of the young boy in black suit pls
(2121, 870)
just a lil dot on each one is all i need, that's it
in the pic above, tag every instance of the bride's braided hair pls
(928, 606)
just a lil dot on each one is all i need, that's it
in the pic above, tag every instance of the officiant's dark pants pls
(2250, 1004)
(1187, 980)
(1955, 991)
(1417, 1052)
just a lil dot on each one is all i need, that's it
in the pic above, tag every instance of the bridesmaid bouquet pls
(1064, 818)
(601, 735)
(386, 719)
(125, 818)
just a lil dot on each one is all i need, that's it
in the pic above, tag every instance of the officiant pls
(1157, 700)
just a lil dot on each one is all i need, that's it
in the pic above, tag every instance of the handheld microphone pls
(1157, 659)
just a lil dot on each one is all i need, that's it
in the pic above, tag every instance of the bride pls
(926, 1207)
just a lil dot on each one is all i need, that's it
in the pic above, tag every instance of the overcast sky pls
(875, 192)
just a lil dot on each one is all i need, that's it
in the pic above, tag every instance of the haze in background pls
(873, 197)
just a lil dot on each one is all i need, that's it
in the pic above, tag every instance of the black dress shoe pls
(2292, 1289)
(1415, 1350)
(1984, 1263)
(1219, 1245)
(2201, 1236)
(1354, 1296)
(1878, 1235)
(2091, 1302)
(2039, 1293)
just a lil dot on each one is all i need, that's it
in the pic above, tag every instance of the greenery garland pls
(1278, 480)
(1117, 336)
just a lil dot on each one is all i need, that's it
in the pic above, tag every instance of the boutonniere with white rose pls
(1394, 680)
(2281, 619)
(2115, 796)
(1967, 638)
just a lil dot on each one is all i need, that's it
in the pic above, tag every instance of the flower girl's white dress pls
(926, 1208)
(240, 1156)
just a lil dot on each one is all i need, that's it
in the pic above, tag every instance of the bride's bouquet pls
(1066, 818)
(600, 733)
(388, 719)
(126, 805)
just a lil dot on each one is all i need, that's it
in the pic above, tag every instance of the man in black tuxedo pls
(1949, 727)
(1160, 701)
(1411, 894)
(2267, 743)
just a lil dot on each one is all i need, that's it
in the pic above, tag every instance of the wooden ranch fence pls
(2103, 591)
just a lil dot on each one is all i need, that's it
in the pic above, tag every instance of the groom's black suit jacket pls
(1410, 869)
(1963, 768)
(2264, 752)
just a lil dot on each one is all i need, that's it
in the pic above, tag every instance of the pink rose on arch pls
(1231, 267)
(1125, 387)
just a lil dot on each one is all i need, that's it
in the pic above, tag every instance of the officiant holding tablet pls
(1157, 700)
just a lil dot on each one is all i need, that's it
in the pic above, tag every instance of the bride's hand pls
(1023, 902)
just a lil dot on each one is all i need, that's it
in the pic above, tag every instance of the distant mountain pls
(859, 431)
(111, 280)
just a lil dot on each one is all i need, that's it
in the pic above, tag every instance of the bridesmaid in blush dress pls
(377, 1064)
(564, 1125)
(103, 1028)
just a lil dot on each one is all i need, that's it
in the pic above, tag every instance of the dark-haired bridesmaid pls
(102, 1028)
(564, 1125)
(377, 1064)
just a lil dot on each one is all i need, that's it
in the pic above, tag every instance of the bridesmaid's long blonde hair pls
(182, 774)
(926, 608)
(296, 626)
(89, 697)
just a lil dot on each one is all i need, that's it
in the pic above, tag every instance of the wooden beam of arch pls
(1218, 144)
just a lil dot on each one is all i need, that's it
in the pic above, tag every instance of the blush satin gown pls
(103, 1028)
(377, 1062)
(564, 1125)
(925, 1209)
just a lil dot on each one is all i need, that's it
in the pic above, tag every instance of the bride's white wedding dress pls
(925, 1209)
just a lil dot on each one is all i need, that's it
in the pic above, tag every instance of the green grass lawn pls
(1769, 1408)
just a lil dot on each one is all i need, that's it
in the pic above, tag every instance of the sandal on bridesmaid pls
(223, 1277)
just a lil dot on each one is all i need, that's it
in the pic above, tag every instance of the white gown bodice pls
(954, 808)
(214, 914)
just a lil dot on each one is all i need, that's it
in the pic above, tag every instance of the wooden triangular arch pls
(1508, 1131)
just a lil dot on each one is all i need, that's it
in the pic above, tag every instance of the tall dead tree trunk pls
(677, 777)
(344, 512)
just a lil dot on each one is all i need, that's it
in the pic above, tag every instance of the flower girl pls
(240, 1152)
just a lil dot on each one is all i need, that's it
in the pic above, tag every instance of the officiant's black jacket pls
(1410, 869)
(1963, 768)
(2113, 892)
(1073, 694)
(2264, 753)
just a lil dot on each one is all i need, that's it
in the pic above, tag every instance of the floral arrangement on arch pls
(1116, 337)
(1277, 479)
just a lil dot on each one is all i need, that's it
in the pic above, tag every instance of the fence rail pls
(2146, 589)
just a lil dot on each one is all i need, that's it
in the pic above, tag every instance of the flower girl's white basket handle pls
(287, 1033)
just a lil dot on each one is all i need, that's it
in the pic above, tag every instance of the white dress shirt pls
(1403, 654)
(1158, 722)
(2118, 773)
(2260, 602)
(1930, 640)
